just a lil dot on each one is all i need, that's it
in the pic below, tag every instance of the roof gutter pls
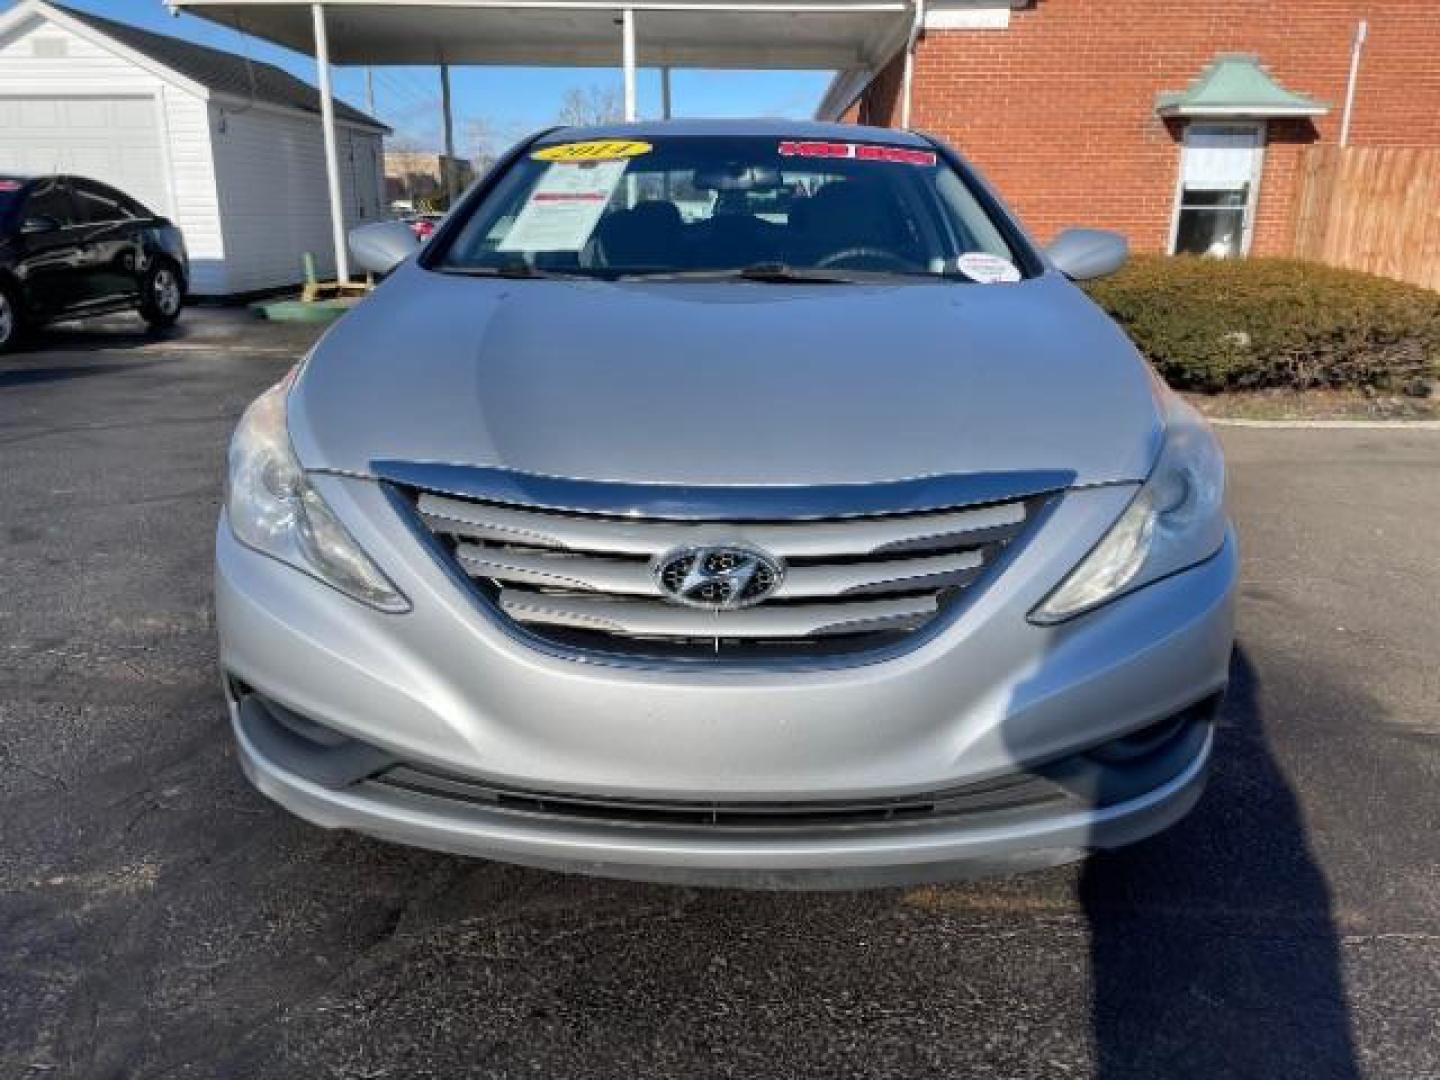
(235, 104)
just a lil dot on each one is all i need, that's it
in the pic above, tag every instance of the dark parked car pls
(71, 247)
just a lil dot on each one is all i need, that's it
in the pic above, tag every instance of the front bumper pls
(992, 696)
(997, 840)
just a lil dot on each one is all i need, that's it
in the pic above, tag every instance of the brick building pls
(417, 179)
(1180, 124)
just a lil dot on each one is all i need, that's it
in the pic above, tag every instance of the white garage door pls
(112, 139)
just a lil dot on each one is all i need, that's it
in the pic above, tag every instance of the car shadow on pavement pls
(201, 331)
(27, 376)
(199, 328)
(1214, 950)
(100, 335)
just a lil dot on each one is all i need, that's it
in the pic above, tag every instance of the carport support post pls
(332, 156)
(627, 42)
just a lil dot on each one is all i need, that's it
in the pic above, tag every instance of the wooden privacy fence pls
(1375, 209)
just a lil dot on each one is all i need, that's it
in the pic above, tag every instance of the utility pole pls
(452, 181)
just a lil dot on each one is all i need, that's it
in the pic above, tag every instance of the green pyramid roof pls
(1236, 85)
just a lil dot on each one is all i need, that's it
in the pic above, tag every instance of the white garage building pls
(231, 151)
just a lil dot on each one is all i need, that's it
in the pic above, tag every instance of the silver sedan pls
(734, 503)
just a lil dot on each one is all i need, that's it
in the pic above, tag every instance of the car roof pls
(764, 128)
(22, 182)
(30, 178)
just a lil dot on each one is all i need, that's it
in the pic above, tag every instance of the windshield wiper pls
(777, 272)
(516, 269)
(767, 272)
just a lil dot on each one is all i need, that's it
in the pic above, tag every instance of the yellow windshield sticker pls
(594, 150)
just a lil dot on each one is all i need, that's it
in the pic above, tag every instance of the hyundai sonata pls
(732, 503)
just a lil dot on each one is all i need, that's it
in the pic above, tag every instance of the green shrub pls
(1210, 324)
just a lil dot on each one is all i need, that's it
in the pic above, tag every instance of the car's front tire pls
(161, 294)
(11, 323)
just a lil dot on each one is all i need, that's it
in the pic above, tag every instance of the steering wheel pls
(888, 259)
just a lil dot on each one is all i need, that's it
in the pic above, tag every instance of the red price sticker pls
(899, 155)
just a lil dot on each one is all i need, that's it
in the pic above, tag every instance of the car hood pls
(727, 383)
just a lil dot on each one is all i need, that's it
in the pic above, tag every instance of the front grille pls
(589, 582)
(1004, 795)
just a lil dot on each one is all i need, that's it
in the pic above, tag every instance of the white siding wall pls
(39, 58)
(364, 168)
(273, 199)
(193, 189)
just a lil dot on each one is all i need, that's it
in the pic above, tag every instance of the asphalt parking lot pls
(159, 918)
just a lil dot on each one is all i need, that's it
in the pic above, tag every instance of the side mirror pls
(381, 247)
(1083, 254)
(39, 224)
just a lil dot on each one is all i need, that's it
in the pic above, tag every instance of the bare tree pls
(583, 106)
(483, 141)
(402, 142)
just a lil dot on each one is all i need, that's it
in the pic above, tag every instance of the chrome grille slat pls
(656, 618)
(559, 571)
(586, 581)
(835, 538)
(891, 575)
(634, 578)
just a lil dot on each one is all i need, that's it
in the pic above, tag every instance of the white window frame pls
(1252, 202)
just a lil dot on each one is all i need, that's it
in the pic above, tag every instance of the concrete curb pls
(1331, 425)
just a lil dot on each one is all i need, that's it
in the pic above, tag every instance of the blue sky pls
(509, 101)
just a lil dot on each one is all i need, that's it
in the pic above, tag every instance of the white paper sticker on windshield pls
(983, 267)
(563, 208)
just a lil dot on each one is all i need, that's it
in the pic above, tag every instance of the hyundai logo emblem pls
(721, 577)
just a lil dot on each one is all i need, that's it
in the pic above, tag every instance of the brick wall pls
(1058, 110)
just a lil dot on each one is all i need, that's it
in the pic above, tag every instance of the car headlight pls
(1176, 520)
(273, 509)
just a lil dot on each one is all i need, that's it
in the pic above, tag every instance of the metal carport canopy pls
(817, 34)
(846, 35)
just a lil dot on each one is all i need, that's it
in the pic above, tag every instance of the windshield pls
(762, 207)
